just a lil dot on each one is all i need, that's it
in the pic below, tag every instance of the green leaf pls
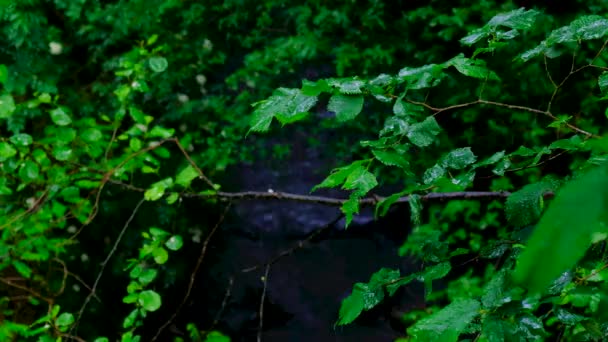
(61, 116)
(494, 295)
(472, 67)
(518, 19)
(29, 171)
(525, 206)
(158, 233)
(338, 175)
(365, 296)
(573, 144)
(360, 180)
(157, 190)
(422, 134)
(216, 336)
(22, 268)
(3, 73)
(422, 77)
(174, 243)
(158, 64)
(565, 232)
(147, 276)
(384, 205)
(448, 323)
(415, 209)
(161, 132)
(160, 255)
(495, 158)
(523, 151)
(346, 107)
(6, 151)
(349, 86)
(288, 105)
(101, 339)
(315, 88)
(297, 108)
(186, 176)
(350, 208)
(7, 106)
(65, 319)
(391, 158)
(172, 198)
(62, 153)
(395, 125)
(590, 27)
(433, 173)
(603, 82)
(459, 158)
(149, 300)
(91, 135)
(22, 139)
(131, 318)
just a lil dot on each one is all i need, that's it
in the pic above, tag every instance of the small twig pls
(105, 263)
(26, 289)
(194, 273)
(548, 73)
(198, 169)
(265, 280)
(227, 295)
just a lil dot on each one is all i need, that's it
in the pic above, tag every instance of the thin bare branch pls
(261, 313)
(105, 263)
(194, 273)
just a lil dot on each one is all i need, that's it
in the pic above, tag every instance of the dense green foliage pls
(155, 98)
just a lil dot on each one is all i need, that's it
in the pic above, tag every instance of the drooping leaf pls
(287, 105)
(346, 107)
(494, 294)
(360, 180)
(472, 68)
(338, 175)
(422, 134)
(525, 206)
(391, 158)
(448, 323)
(565, 231)
(365, 296)
(384, 205)
(415, 209)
